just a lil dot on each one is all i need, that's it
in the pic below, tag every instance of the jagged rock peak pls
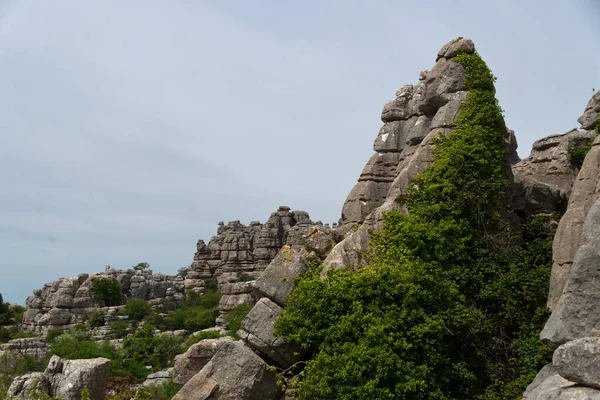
(417, 113)
(455, 46)
(589, 117)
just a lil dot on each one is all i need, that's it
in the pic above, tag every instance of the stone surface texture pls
(234, 373)
(68, 301)
(195, 358)
(257, 332)
(66, 379)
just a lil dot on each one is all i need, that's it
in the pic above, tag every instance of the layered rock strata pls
(68, 301)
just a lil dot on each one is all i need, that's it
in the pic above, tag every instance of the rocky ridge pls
(68, 301)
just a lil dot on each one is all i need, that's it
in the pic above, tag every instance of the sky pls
(129, 129)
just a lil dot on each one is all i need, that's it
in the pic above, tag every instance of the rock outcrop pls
(234, 372)
(68, 301)
(574, 325)
(239, 254)
(403, 149)
(195, 358)
(65, 379)
(544, 180)
(36, 347)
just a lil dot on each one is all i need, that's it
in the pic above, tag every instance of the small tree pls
(142, 266)
(107, 290)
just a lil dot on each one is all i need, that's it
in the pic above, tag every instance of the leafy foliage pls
(96, 318)
(233, 318)
(201, 336)
(107, 290)
(453, 297)
(141, 266)
(136, 309)
(578, 153)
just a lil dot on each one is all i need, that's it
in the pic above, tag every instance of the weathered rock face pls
(195, 358)
(585, 192)
(544, 180)
(66, 379)
(68, 301)
(576, 315)
(158, 378)
(574, 298)
(589, 118)
(35, 347)
(234, 373)
(257, 332)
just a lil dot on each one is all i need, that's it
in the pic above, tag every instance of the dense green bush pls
(136, 309)
(234, 318)
(96, 318)
(201, 336)
(453, 298)
(107, 290)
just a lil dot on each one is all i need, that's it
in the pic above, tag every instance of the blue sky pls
(131, 128)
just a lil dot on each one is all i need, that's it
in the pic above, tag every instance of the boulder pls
(234, 373)
(158, 378)
(279, 279)
(195, 358)
(66, 379)
(578, 361)
(257, 332)
(556, 387)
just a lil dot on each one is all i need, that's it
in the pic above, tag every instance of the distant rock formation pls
(239, 254)
(68, 301)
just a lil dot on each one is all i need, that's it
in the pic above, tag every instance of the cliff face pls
(574, 325)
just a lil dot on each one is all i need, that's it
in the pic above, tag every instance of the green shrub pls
(578, 153)
(233, 318)
(201, 336)
(200, 318)
(211, 284)
(141, 266)
(96, 318)
(53, 334)
(108, 290)
(167, 346)
(119, 328)
(137, 309)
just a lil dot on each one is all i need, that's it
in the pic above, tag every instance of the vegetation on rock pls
(453, 298)
(108, 290)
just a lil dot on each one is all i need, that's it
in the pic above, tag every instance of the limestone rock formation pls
(278, 281)
(234, 372)
(239, 254)
(66, 379)
(574, 325)
(68, 301)
(195, 358)
(257, 332)
(585, 192)
(543, 181)
(403, 149)
(158, 378)
(35, 347)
